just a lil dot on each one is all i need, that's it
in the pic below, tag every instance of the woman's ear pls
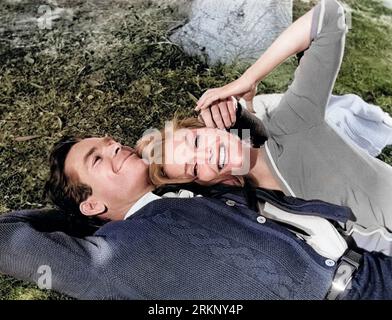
(92, 207)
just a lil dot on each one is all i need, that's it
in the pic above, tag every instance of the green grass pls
(113, 71)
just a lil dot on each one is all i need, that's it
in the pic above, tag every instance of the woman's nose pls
(203, 155)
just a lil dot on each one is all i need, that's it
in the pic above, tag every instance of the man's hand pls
(221, 114)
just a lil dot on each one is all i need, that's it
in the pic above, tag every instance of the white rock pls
(233, 30)
(388, 3)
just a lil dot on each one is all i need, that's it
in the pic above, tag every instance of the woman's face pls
(205, 154)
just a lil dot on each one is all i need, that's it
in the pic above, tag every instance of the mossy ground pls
(111, 70)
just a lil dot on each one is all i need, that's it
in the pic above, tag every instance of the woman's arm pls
(294, 39)
(304, 103)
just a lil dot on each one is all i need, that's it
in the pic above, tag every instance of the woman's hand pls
(243, 87)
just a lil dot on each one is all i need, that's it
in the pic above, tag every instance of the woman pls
(303, 156)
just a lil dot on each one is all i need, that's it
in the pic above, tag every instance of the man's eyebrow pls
(107, 139)
(88, 154)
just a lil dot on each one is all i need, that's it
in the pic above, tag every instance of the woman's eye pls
(197, 141)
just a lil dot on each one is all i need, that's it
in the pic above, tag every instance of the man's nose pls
(113, 149)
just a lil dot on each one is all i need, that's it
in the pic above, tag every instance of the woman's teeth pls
(222, 157)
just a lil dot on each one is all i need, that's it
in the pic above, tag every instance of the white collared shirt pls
(323, 236)
(143, 201)
(149, 197)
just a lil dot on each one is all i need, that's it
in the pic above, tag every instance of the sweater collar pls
(143, 201)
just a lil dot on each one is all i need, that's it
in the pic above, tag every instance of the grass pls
(111, 70)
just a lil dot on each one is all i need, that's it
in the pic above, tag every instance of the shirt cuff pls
(314, 31)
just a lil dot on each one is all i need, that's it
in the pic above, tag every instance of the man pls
(163, 250)
(197, 248)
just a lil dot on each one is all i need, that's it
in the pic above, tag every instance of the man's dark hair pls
(65, 191)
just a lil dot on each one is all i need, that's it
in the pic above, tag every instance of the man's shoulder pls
(162, 205)
(157, 207)
(196, 209)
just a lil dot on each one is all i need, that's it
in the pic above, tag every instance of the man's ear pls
(92, 207)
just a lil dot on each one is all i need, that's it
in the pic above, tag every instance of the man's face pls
(117, 176)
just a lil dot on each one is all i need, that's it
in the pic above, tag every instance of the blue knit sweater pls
(199, 248)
